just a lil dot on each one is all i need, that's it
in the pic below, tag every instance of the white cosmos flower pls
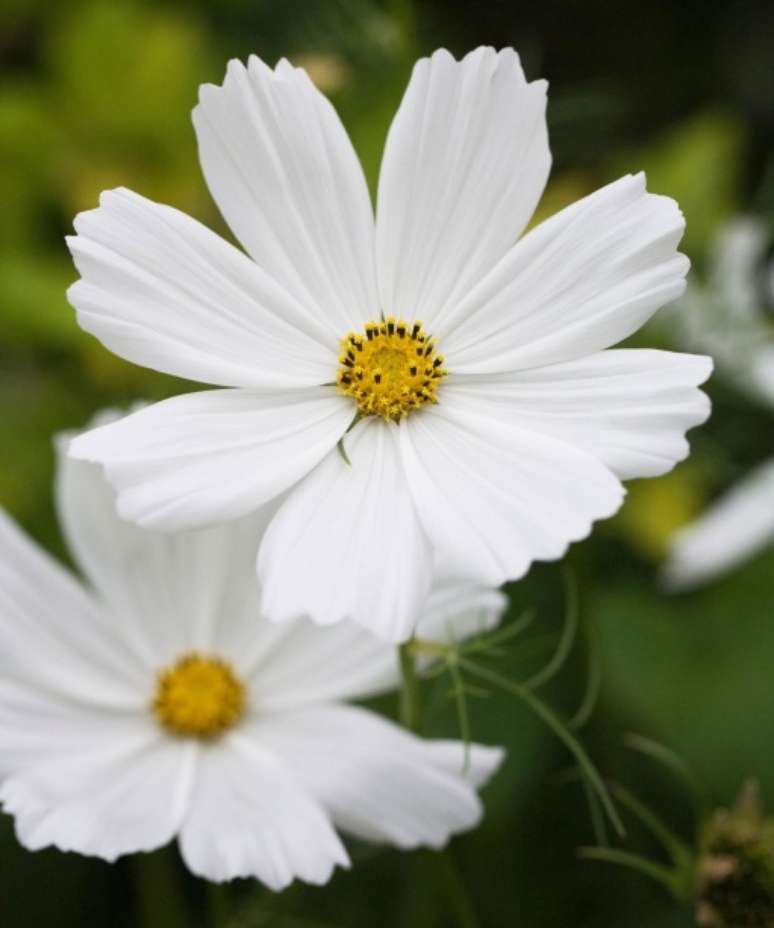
(155, 704)
(726, 318)
(494, 425)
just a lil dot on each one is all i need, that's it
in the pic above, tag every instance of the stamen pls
(388, 380)
(198, 696)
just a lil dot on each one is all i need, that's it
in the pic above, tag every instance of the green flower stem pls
(450, 879)
(160, 889)
(220, 905)
(410, 697)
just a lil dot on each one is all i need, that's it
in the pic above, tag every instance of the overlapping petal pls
(282, 170)
(464, 166)
(207, 457)
(310, 663)
(579, 282)
(161, 290)
(628, 408)
(378, 781)
(54, 636)
(167, 593)
(250, 816)
(493, 496)
(347, 543)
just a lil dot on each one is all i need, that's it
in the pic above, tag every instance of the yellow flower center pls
(390, 370)
(199, 696)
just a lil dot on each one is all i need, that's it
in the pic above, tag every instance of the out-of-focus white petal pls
(282, 170)
(347, 544)
(457, 609)
(581, 281)
(305, 663)
(629, 408)
(109, 789)
(736, 526)
(167, 593)
(161, 290)
(250, 816)
(208, 457)
(378, 781)
(494, 496)
(55, 636)
(464, 166)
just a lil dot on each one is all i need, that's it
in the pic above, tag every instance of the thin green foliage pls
(643, 865)
(566, 639)
(595, 814)
(672, 762)
(560, 729)
(593, 682)
(678, 850)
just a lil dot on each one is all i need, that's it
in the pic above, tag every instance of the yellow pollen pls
(198, 696)
(390, 370)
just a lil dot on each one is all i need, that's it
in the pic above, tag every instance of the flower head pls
(463, 371)
(156, 703)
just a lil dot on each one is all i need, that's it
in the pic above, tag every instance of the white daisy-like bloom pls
(154, 703)
(429, 386)
(727, 319)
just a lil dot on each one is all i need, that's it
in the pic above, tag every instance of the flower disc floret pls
(390, 370)
(199, 696)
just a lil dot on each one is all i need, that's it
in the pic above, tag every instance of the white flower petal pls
(251, 817)
(56, 637)
(169, 593)
(161, 290)
(458, 609)
(494, 497)
(629, 408)
(312, 664)
(378, 781)
(736, 526)
(347, 544)
(464, 166)
(208, 457)
(581, 281)
(282, 170)
(120, 788)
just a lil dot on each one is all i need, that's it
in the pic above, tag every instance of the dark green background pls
(97, 94)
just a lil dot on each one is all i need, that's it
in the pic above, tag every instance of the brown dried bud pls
(735, 872)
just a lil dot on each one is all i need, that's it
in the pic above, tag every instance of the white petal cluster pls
(726, 318)
(85, 765)
(537, 420)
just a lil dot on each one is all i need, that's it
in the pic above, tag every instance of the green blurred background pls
(98, 94)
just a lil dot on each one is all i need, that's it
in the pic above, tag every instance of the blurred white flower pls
(489, 434)
(726, 319)
(156, 704)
